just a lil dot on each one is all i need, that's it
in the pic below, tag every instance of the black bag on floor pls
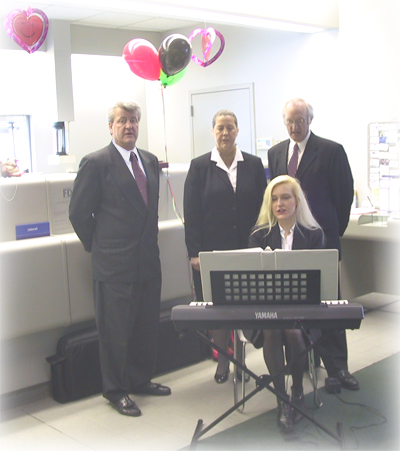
(75, 368)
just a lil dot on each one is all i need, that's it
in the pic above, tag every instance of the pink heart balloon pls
(27, 28)
(208, 37)
(142, 59)
(207, 40)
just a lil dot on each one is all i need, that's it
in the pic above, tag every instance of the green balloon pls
(168, 80)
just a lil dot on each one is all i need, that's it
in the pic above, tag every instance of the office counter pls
(371, 256)
(373, 227)
(46, 282)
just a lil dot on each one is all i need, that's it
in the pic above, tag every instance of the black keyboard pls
(329, 314)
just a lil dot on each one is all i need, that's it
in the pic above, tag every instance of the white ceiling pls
(123, 14)
(85, 15)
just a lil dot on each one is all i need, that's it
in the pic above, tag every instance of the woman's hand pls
(195, 262)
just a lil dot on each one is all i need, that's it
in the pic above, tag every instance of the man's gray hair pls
(298, 101)
(128, 106)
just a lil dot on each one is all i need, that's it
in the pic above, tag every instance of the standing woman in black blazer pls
(222, 198)
(286, 222)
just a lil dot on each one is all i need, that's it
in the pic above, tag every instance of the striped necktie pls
(292, 166)
(139, 176)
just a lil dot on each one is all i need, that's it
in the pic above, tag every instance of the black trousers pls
(127, 318)
(197, 285)
(331, 347)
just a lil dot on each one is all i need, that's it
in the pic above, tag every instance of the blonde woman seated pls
(286, 222)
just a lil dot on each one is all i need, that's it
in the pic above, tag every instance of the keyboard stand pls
(263, 381)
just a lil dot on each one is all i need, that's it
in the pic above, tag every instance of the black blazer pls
(302, 238)
(111, 219)
(325, 176)
(217, 218)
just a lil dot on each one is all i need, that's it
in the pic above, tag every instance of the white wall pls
(369, 80)
(98, 83)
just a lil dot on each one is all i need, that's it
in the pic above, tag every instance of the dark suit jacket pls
(302, 238)
(217, 218)
(111, 219)
(325, 176)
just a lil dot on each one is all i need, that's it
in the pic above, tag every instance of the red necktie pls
(139, 176)
(292, 166)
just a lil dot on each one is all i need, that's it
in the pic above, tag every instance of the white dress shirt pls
(232, 170)
(287, 241)
(126, 155)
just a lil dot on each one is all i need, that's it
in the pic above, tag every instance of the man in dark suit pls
(325, 176)
(118, 224)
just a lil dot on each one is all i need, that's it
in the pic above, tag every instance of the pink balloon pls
(142, 58)
(27, 28)
(208, 37)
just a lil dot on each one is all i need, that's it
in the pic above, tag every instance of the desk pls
(370, 257)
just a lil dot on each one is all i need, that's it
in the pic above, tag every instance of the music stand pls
(257, 260)
(218, 267)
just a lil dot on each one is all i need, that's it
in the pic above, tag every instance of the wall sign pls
(384, 164)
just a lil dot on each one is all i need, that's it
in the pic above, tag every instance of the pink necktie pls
(292, 167)
(139, 176)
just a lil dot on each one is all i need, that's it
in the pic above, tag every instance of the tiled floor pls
(169, 423)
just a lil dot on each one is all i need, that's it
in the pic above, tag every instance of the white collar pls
(282, 230)
(215, 156)
(126, 154)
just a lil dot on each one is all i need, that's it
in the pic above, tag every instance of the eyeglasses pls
(301, 121)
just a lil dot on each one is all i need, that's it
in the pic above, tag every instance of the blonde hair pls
(304, 217)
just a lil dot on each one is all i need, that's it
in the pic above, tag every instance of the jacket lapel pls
(310, 153)
(220, 173)
(276, 240)
(299, 239)
(283, 158)
(126, 181)
(152, 183)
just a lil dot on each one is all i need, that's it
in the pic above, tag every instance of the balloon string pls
(174, 205)
(165, 127)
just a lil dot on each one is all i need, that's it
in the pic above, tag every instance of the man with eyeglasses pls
(323, 170)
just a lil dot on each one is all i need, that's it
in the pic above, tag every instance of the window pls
(15, 141)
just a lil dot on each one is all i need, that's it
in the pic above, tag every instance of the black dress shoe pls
(347, 380)
(284, 416)
(152, 388)
(299, 401)
(221, 378)
(125, 406)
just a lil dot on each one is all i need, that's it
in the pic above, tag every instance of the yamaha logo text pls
(266, 315)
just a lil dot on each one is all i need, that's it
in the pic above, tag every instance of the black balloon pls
(174, 54)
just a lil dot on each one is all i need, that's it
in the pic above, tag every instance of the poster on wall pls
(384, 164)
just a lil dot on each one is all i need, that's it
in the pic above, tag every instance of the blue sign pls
(35, 230)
